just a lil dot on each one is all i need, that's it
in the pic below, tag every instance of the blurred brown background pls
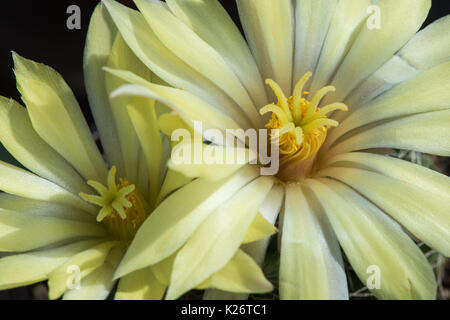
(37, 30)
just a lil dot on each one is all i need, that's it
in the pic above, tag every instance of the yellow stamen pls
(315, 102)
(301, 125)
(123, 209)
(298, 96)
(282, 101)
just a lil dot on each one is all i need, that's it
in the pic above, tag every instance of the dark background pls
(37, 30)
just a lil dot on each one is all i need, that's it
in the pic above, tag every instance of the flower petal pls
(207, 18)
(185, 44)
(312, 22)
(25, 184)
(43, 208)
(428, 48)
(257, 250)
(241, 274)
(269, 210)
(425, 132)
(57, 118)
(98, 284)
(311, 265)
(140, 285)
(420, 176)
(143, 117)
(171, 224)
(261, 20)
(31, 267)
(424, 214)
(85, 262)
(426, 92)
(375, 243)
(172, 181)
(20, 139)
(216, 240)
(346, 23)
(399, 22)
(259, 229)
(217, 162)
(26, 231)
(99, 42)
(122, 57)
(160, 60)
(191, 107)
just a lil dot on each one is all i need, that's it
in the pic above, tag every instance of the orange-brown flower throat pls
(299, 127)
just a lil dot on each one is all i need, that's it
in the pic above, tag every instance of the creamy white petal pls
(160, 60)
(429, 47)
(424, 214)
(143, 118)
(375, 245)
(190, 48)
(173, 180)
(210, 21)
(99, 41)
(22, 183)
(177, 217)
(312, 22)
(269, 29)
(241, 275)
(57, 117)
(22, 141)
(216, 240)
(422, 177)
(217, 162)
(24, 231)
(98, 284)
(425, 132)
(140, 285)
(270, 210)
(399, 21)
(257, 250)
(393, 72)
(311, 265)
(190, 106)
(346, 22)
(43, 208)
(78, 267)
(143, 178)
(428, 91)
(122, 57)
(31, 267)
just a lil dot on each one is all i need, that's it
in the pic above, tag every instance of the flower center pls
(123, 208)
(299, 127)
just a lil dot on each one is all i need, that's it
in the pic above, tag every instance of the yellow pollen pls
(123, 209)
(302, 126)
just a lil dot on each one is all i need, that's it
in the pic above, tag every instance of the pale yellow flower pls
(369, 88)
(72, 217)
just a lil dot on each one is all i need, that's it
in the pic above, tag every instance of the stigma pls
(298, 126)
(123, 208)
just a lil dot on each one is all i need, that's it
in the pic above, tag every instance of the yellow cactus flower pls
(72, 216)
(341, 86)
